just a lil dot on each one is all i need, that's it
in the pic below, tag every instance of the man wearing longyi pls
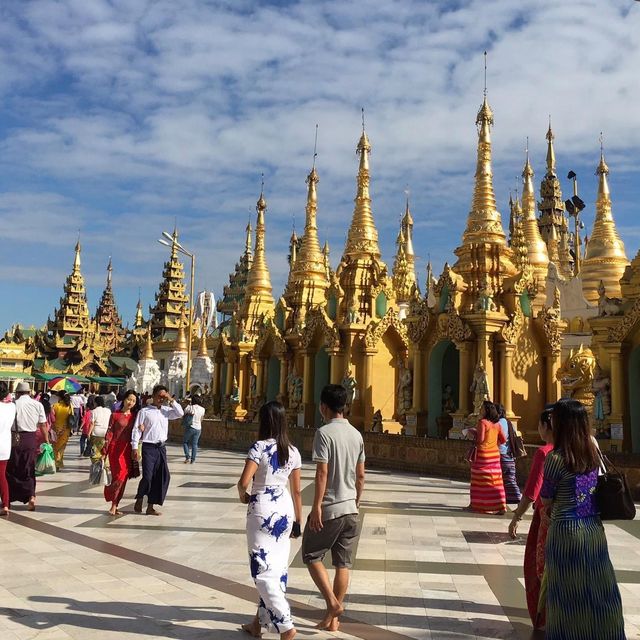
(152, 427)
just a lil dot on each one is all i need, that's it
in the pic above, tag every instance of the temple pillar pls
(230, 376)
(553, 363)
(282, 387)
(420, 393)
(260, 377)
(464, 377)
(217, 378)
(308, 379)
(336, 367)
(506, 384)
(486, 357)
(617, 377)
(367, 391)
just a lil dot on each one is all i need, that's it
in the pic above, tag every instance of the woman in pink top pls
(534, 551)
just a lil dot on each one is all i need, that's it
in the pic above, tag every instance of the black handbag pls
(516, 443)
(613, 495)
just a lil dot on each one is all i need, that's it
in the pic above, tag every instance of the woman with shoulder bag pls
(583, 599)
(508, 460)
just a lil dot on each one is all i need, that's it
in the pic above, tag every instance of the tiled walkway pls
(425, 569)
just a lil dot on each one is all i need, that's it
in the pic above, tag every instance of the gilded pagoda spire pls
(258, 300)
(361, 271)
(552, 214)
(139, 321)
(233, 293)
(181, 340)
(293, 250)
(72, 316)
(484, 244)
(536, 247)
(107, 320)
(148, 347)
(362, 238)
(605, 257)
(202, 351)
(308, 280)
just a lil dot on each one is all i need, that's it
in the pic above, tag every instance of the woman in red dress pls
(537, 538)
(118, 448)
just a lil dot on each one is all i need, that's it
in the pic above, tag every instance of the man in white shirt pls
(78, 402)
(21, 470)
(152, 427)
(192, 423)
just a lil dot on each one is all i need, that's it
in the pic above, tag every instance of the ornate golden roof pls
(518, 242)
(605, 257)
(536, 247)
(233, 293)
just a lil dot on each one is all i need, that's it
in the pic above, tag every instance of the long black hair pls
(490, 411)
(572, 436)
(136, 406)
(273, 424)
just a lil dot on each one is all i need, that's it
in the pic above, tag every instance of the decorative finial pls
(315, 149)
(601, 138)
(362, 119)
(485, 74)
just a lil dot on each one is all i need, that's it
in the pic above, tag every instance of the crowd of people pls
(570, 583)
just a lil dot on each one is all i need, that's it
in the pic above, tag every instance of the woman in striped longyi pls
(583, 599)
(487, 489)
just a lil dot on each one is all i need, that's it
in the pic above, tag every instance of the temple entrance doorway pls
(320, 380)
(634, 399)
(443, 383)
(273, 378)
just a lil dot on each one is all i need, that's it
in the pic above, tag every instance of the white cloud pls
(119, 116)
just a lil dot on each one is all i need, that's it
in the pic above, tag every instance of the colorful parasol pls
(70, 385)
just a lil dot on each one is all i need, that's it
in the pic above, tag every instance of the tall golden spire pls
(362, 238)
(247, 243)
(605, 257)
(536, 247)
(258, 298)
(551, 154)
(484, 244)
(308, 280)
(259, 280)
(76, 259)
(293, 249)
(148, 348)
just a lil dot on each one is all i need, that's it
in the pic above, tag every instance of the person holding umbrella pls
(62, 413)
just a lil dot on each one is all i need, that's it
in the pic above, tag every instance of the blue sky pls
(117, 117)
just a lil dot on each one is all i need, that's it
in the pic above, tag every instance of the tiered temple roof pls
(108, 324)
(72, 317)
(233, 293)
(405, 282)
(553, 221)
(171, 300)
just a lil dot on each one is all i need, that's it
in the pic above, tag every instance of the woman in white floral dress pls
(273, 517)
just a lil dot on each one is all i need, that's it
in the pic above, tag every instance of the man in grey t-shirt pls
(338, 451)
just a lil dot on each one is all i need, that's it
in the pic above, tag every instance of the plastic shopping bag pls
(96, 472)
(45, 462)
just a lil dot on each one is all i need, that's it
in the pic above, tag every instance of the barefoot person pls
(152, 427)
(21, 469)
(338, 451)
(273, 516)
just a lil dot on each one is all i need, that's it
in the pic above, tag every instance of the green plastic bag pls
(45, 463)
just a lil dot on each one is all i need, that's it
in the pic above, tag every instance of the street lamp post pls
(574, 206)
(173, 242)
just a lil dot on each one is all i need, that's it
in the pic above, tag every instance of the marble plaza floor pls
(425, 569)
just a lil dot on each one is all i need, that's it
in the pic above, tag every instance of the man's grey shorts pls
(338, 536)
